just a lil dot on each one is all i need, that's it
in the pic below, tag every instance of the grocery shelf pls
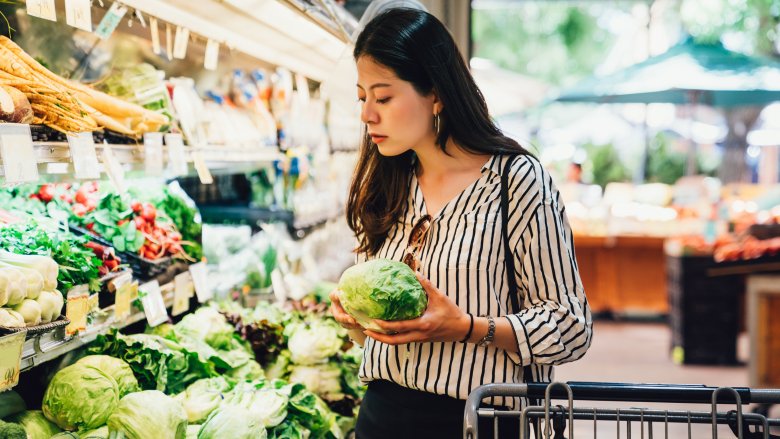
(256, 216)
(50, 345)
(55, 157)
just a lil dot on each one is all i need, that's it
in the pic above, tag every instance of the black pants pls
(390, 411)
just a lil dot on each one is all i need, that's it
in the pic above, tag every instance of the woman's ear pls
(437, 104)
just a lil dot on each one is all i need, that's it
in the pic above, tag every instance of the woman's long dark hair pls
(418, 49)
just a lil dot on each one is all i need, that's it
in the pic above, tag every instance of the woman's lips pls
(376, 138)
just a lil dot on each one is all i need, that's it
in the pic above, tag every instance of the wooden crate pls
(763, 297)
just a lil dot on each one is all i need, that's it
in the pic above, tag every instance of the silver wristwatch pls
(488, 338)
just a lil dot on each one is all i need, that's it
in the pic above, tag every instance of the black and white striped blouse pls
(463, 256)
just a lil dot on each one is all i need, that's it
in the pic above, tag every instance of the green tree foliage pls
(557, 43)
(604, 164)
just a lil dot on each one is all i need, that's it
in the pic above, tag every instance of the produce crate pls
(704, 311)
(61, 322)
(42, 133)
(144, 269)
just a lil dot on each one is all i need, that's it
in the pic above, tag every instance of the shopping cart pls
(562, 421)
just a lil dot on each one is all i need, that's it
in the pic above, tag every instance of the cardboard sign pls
(204, 174)
(155, 35)
(42, 9)
(111, 20)
(11, 359)
(182, 292)
(125, 292)
(180, 42)
(153, 154)
(211, 58)
(19, 161)
(114, 169)
(200, 278)
(177, 162)
(76, 309)
(154, 305)
(84, 156)
(78, 13)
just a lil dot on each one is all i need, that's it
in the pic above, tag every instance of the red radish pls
(136, 206)
(148, 212)
(122, 222)
(91, 227)
(81, 195)
(46, 193)
(140, 222)
(79, 209)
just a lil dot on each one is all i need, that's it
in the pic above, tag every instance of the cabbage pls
(324, 380)
(314, 342)
(381, 289)
(98, 433)
(280, 367)
(80, 397)
(209, 325)
(117, 369)
(192, 431)
(250, 371)
(202, 397)
(268, 407)
(30, 310)
(149, 414)
(233, 422)
(35, 424)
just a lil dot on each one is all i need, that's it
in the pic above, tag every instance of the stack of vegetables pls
(77, 264)
(142, 228)
(62, 104)
(303, 344)
(28, 295)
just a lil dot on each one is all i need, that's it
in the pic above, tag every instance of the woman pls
(427, 190)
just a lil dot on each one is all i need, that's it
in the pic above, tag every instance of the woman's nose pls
(368, 115)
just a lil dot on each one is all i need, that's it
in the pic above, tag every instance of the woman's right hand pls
(341, 316)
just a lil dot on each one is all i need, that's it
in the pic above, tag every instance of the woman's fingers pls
(339, 314)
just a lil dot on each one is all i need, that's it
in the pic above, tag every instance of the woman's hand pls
(341, 316)
(441, 321)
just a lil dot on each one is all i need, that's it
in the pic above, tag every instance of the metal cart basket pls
(559, 421)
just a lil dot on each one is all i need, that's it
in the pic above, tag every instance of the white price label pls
(154, 305)
(16, 149)
(180, 42)
(169, 41)
(155, 35)
(78, 13)
(203, 171)
(153, 153)
(83, 155)
(111, 20)
(11, 347)
(177, 161)
(114, 169)
(42, 9)
(183, 289)
(211, 58)
(200, 278)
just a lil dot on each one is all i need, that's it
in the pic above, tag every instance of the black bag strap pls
(509, 259)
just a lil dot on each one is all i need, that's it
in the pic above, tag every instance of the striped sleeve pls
(555, 324)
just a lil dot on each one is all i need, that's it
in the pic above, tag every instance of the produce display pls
(66, 105)
(381, 289)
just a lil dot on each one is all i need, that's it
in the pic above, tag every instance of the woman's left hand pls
(441, 321)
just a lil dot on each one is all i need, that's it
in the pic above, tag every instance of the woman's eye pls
(361, 99)
(383, 101)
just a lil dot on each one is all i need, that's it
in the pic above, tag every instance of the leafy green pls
(35, 424)
(80, 397)
(116, 369)
(148, 414)
(158, 363)
(78, 264)
(381, 289)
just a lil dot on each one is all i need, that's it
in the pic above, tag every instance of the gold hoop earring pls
(436, 123)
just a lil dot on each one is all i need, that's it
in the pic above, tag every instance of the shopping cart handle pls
(683, 393)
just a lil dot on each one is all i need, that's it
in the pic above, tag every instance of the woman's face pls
(398, 118)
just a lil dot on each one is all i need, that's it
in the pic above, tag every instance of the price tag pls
(76, 309)
(155, 35)
(82, 152)
(212, 55)
(182, 292)
(125, 292)
(168, 41)
(177, 162)
(180, 42)
(114, 169)
(154, 305)
(111, 20)
(203, 171)
(16, 148)
(153, 153)
(11, 359)
(78, 13)
(42, 9)
(200, 278)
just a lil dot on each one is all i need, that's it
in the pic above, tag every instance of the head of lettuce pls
(381, 289)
